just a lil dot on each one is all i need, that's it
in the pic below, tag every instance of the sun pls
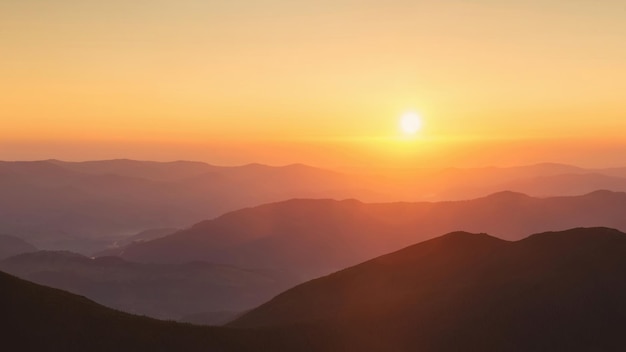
(410, 123)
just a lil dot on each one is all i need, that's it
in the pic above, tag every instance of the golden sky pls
(321, 82)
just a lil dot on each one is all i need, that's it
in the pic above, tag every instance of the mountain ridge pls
(298, 233)
(558, 291)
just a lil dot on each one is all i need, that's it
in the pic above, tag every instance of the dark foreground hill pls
(316, 237)
(164, 291)
(38, 318)
(556, 291)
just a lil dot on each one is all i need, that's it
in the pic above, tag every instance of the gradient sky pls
(320, 82)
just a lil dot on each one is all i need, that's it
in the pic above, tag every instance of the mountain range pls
(311, 238)
(91, 206)
(87, 206)
(553, 291)
(219, 268)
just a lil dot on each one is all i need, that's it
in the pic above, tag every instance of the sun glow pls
(410, 123)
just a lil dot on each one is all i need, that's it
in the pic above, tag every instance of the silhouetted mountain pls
(316, 237)
(11, 245)
(37, 318)
(555, 291)
(160, 291)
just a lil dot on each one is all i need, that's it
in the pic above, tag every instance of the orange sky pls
(276, 81)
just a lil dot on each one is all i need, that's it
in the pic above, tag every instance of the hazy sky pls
(321, 82)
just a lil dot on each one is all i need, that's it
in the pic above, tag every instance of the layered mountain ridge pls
(556, 291)
(315, 237)
(90, 206)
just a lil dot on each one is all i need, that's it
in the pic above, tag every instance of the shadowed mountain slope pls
(39, 318)
(555, 291)
(316, 237)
